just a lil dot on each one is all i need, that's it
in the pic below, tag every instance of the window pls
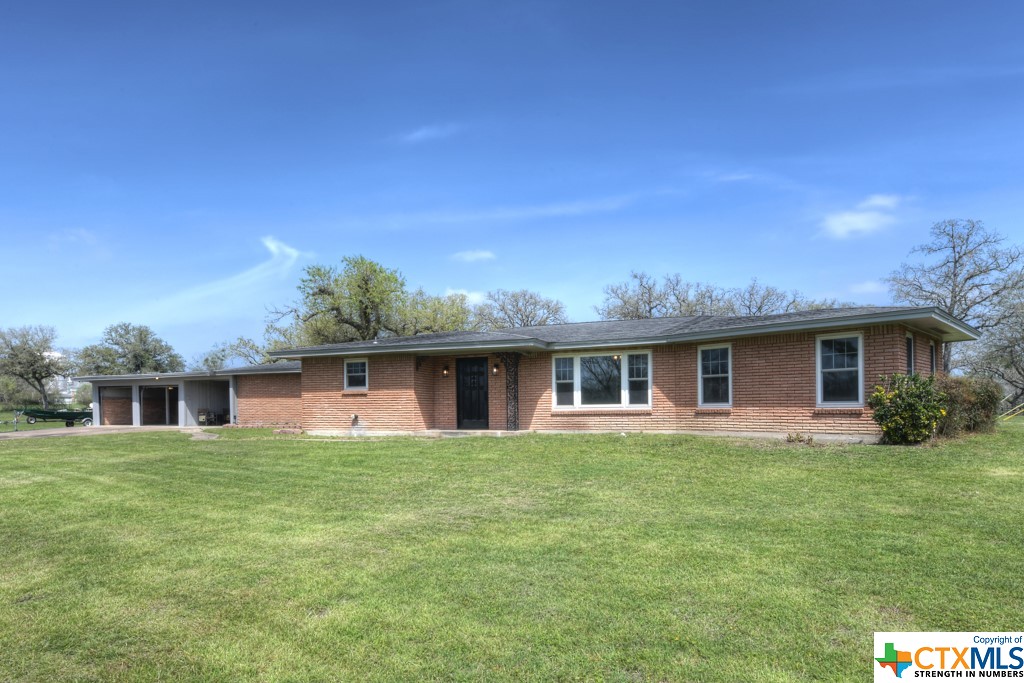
(564, 384)
(714, 376)
(840, 367)
(639, 379)
(602, 380)
(355, 374)
(910, 354)
(931, 357)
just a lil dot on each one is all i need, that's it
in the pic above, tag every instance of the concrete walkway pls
(88, 431)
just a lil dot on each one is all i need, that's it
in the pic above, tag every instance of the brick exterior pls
(116, 411)
(269, 400)
(773, 389)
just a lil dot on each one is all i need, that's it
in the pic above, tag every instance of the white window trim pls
(912, 359)
(624, 403)
(700, 376)
(860, 370)
(344, 372)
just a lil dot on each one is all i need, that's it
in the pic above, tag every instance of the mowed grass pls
(155, 557)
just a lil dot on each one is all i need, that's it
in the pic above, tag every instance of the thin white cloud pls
(881, 201)
(517, 213)
(474, 255)
(737, 177)
(471, 297)
(870, 215)
(224, 296)
(429, 133)
(869, 287)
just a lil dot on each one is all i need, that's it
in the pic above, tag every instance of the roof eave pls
(298, 354)
(960, 331)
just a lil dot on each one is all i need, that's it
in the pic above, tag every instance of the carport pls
(183, 399)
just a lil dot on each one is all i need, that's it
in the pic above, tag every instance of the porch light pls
(444, 373)
(494, 370)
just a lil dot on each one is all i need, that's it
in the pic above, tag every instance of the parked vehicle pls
(68, 417)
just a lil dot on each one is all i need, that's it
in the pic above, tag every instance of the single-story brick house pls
(809, 372)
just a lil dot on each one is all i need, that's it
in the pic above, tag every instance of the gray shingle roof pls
(652, 330)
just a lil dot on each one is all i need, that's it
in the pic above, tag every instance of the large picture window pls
(715, 376)
(840, 368)
(602, 380)
(356, 375)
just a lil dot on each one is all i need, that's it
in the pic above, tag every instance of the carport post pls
(136, 408)
(95, 404)
(182, 410)
(232, 400)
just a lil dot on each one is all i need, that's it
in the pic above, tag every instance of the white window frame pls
(912, 355)
(700, 376)
(624, 403)
(860, 370)
(344, 372)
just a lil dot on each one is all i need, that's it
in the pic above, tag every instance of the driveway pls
(85, 431)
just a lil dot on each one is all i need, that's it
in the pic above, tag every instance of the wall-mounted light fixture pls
(444, 373)
(494, 370)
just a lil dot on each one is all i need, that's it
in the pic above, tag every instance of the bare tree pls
(644, 297)
(638, 298)
(967, 273)
(521, 308)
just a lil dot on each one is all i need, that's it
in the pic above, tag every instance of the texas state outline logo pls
(948, 654)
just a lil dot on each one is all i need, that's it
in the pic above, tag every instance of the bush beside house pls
(910, 409)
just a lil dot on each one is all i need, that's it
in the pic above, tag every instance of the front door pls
(471, 393)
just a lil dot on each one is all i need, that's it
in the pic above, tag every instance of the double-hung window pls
(597, 380)
(910, 354)
(356, 374)
(931, 357)
(840, 369)
(714, 380)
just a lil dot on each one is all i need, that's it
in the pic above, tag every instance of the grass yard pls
(156, 557)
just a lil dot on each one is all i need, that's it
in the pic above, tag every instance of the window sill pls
(610, 410)
(709, 410)
(849, 410)
(355, 392)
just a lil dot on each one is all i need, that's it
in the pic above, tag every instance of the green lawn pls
(155, 557)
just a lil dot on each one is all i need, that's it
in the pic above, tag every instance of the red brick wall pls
(392, 401)
(922, 357)
(269, 400)
(116, 411)
(774, 389)
(405, 393)
(444, 408)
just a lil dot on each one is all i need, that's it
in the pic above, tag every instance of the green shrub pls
(972, 404)
(907, 408)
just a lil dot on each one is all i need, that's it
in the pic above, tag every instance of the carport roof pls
(267, 368)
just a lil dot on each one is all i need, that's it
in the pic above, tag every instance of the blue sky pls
(177, 164)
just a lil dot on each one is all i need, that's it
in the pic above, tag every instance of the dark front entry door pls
(471, 383)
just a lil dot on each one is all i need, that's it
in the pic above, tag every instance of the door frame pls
(459, 364)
